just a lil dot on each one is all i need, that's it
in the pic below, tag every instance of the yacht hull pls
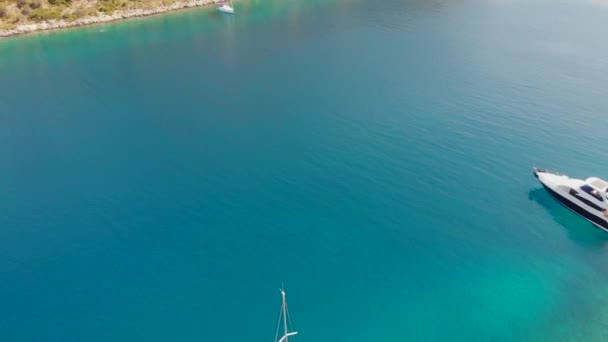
(226, 9)
(561, 188)
(598, 222)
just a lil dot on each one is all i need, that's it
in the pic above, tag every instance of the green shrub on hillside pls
(7, 26)
(90, 12)
(109, 6)
(3, 11)
(80, 13)
(68, 16)
(106, 9)
(76, 14)
(35, 4)
(42, 14)
(12, 19)
(59, 2)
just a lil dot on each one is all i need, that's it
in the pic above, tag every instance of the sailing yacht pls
(283, 321)
(226, 8)
(588, 198)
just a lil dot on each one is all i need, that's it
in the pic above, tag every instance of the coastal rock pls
(103, 18)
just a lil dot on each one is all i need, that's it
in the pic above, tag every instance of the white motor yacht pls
(588, 198)
(226, 8)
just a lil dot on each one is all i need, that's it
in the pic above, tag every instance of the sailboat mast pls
(285, 315)
(287, 334)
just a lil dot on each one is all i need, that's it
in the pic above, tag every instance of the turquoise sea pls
(161, 177)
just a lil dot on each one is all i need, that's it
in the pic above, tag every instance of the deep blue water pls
(160, 178)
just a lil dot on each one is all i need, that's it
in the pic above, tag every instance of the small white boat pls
(588, 198)
(283, 320)
(226, 8)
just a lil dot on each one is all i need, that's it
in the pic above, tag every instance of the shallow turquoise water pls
(161, 177)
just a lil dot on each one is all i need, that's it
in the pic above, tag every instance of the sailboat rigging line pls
(286, 322)
(292, 325)
(288, 318)
(276, 337)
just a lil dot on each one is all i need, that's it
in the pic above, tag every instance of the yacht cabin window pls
(593, 192)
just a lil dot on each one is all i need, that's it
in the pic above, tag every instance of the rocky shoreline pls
(103, 18)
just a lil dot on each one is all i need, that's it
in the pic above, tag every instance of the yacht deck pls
(597, 183)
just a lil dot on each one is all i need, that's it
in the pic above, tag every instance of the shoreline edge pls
(104, 18)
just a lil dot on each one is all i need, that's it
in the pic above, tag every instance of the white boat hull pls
(566, 191)
(225, 8)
